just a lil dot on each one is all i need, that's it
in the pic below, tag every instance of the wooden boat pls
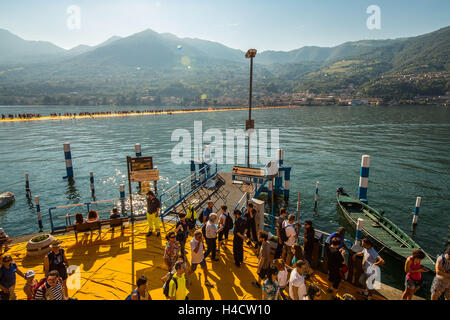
(382, 231)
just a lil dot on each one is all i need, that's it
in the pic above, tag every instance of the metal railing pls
(103, 208)
(169, 200)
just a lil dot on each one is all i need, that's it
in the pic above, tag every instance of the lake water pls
(409, 148)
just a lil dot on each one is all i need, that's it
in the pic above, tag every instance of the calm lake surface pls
(409, 148)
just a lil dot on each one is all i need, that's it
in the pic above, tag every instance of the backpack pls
(228, 222)
(167, 285)
(41, 283)
(283, 235)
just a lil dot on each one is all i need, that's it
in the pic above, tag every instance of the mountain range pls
(152, 62)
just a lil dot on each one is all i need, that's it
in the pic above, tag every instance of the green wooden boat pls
(383, 232)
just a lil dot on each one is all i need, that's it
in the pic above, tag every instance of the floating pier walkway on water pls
(108, 114)
(107, 265)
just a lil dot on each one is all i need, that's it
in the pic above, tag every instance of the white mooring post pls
(357, 246)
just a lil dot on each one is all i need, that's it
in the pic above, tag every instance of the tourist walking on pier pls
(413, 269)
(282, 276)
(171, 251)
(289, 235)
(211, 237)
(297, 287)
(30, 284)
(182, 230)
(141, 291)
(371, 263)
(197, 256)
(265, 258)
(340, 234)
(308, 240)
(250, 216)
(270, 287)
(153, 207)
(297, 253)
(207, 211)
(178, 284)
(52, 288)
(191, 217)
(280, 221)
(225, 225)
(335, 263)
(441, 282)
(56, 260)
(8, 272)
(240, 230)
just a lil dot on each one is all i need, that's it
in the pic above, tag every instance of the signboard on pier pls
(144, 175)
(252, 172)
(140, 163)
(248, 175)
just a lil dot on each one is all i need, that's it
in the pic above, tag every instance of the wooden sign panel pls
(252, 172)
(144, 175)
(141, 163)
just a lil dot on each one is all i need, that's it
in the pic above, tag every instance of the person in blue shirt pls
(8, 272)
(208, 210)
(340, 234)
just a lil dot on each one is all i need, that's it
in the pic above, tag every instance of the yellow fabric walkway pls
(139, 114)
(110, 264)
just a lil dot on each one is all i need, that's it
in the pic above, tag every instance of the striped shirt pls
(50, 293)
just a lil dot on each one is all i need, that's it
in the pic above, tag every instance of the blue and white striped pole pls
(122, 198)
(137, 150)
(357, 246)
(364, 178)
(68, 157)
(287, 183)
(416, 212)
(91, 178)
(38, 211)
(316, 195)
(27, 186)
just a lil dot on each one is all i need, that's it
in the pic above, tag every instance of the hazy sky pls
(241, 24)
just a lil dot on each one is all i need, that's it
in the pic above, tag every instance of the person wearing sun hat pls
(30, 284)
(56, 260)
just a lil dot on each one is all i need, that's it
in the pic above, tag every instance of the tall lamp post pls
(250, 124)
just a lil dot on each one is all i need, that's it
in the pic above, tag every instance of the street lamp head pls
(251, 53)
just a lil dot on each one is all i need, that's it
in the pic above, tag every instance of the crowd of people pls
(11, 116)
(283, 264)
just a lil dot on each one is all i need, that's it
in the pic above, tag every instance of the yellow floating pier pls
(133, 114)
(109, 265)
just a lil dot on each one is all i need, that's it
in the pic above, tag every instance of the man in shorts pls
(197, 257)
